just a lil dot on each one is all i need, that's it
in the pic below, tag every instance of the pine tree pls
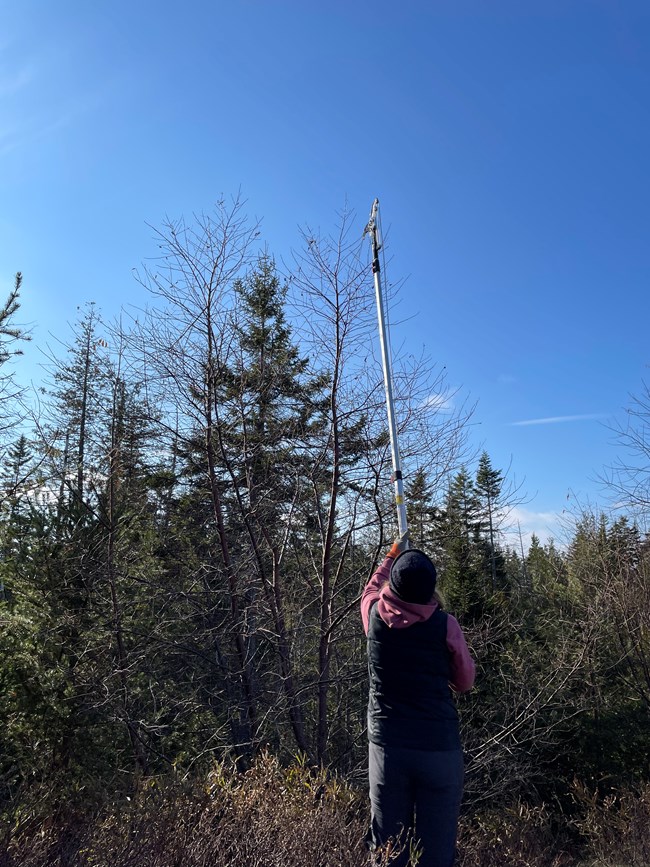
(10, 334)
(459, 524)
(421, 512)
(16, 485)
(277, 407)
(546, 568)
(278, 403)
(488, 489)
(80, 392)
(78, 578)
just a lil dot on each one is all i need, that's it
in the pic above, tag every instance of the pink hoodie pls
(399, 614)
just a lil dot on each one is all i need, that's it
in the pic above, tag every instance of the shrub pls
(267, 816)
(616, 828)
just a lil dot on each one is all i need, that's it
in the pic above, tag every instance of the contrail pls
(556, 419)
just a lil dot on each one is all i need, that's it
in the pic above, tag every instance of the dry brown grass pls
(266, 817)
(616, 828)
(519, 836)
(272, 816)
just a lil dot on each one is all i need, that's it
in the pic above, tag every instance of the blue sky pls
(508, 143)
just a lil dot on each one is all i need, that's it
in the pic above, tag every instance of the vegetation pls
(184, 535)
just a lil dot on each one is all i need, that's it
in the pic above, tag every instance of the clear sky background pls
(508, 143)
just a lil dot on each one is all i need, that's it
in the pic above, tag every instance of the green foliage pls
(420, 512)
(10, 333)
(462, 577)
(182, 545)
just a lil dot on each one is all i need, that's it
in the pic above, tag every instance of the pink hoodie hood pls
(399, 614)
(393, 611)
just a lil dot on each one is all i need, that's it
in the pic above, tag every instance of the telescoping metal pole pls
(373, 230)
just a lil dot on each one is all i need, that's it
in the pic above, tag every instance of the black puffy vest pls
(411, 704)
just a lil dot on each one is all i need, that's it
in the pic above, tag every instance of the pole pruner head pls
(371, 226)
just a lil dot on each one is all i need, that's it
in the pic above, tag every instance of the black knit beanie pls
(413, 577)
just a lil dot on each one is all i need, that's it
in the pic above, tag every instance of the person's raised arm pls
(380, 577)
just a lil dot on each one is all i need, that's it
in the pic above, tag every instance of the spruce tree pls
(421, 512)
(488, 489)
(18, 489)
(276, 408)
(11, 411)
(79, 393)
(459, 524)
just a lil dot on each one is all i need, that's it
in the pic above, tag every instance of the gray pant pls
(416, 791)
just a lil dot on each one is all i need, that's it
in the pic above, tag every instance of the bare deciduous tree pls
(349, 476)
(185, 346)
(629, 477)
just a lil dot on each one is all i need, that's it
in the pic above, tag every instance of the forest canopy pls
(187, 523)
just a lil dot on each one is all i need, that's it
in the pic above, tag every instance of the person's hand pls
(399, 545)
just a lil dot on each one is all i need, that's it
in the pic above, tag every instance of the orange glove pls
(399, 545)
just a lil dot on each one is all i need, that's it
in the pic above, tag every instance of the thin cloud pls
(559, 419)
(524, 523)
(440, 402)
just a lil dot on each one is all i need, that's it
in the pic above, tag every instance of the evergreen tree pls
(16, 485)
(80, 579)
(421, 512)
(278, 408)
(488, 484)
(80, 392)
(459, 525)
(10, 334)
(547, 571)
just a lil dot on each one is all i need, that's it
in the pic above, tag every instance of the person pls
(416, 652)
